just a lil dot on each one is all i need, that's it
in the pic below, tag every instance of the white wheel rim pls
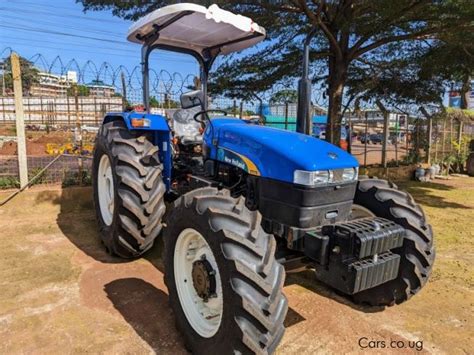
(105, 187)
(204, 317)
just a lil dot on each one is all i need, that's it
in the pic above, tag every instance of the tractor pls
(238, 204)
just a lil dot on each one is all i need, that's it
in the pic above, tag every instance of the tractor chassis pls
(350, 256)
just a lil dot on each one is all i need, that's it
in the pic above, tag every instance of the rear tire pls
(249, 277)
(417, 253)
(137, 206)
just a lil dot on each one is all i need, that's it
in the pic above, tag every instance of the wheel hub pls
(198, 282)
(204, 279)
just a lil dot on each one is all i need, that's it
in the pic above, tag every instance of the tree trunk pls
(337, 80)
(466, 85)
(429, 133)
(386, 116)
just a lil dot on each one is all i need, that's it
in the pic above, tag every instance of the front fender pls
(157, 122)
(161, 136)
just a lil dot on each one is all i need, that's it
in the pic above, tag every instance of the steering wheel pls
(204, 112)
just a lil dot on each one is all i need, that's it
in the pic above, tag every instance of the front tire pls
(417, 253)
(128, 190)
(226, 288)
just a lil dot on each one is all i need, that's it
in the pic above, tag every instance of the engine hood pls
(271, 152)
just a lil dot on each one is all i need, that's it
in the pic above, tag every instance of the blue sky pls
(60, 27)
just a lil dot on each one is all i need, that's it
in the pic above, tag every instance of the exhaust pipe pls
(303, 115)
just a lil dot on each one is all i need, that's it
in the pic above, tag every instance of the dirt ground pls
(61, 293)
(36, 143)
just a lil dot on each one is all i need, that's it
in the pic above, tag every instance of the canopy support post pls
(205, 64)
(146, 78)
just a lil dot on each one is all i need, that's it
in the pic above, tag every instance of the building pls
(374, 119)
(99, 89)
(52, 85)
(455, 98)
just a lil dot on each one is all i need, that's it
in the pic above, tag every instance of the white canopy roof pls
(197, 28)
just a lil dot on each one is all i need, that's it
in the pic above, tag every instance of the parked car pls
(89, 129)
(364, 137)
(376, 138)
(397, 138)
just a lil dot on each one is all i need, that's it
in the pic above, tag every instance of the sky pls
(41, 30)
(60, 27)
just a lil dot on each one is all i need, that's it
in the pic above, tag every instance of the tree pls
(452, 59)
(284, 97)
(349, 34)
(81, 90)
(154, 102)
(167, 102)
(29, 74)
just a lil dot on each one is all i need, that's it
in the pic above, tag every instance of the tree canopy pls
(29, 74)
(284, 96)
(355, 40)
(80, 90)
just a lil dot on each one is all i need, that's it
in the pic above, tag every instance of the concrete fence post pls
(20, 120)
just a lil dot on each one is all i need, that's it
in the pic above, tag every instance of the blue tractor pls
(237, 203)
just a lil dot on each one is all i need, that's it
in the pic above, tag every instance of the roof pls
(195, 27)
(99, 84)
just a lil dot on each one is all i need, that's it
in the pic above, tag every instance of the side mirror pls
(192, 99)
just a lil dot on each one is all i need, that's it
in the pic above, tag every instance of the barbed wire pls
(162, 82)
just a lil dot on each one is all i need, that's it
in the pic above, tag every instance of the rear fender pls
(161, 136)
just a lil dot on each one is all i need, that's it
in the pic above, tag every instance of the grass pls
(449, 206)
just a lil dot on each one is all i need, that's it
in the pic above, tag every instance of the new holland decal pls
(238, 160)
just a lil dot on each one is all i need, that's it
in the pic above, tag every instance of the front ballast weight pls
(355, 256)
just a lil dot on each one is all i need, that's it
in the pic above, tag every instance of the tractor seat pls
(185, 127)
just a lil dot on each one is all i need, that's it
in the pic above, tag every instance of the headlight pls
(311, 178)
(325, 177)
(350, 174)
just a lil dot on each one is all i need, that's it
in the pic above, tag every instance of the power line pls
(47, 23)
(44, 7)
(172, 60)
(108, 72)
(32, 29)
(162, 55)
(63, 15)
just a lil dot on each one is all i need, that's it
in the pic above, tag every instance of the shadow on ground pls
(424, 194)
(307, 279)
(146, 309)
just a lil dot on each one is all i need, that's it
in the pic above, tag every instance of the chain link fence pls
(62, 118)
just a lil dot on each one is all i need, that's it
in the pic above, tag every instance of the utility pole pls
(19, 119)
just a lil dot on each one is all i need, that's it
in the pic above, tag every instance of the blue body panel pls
(263, 151)
(157, 122)
(271, 152)
(161, 135)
